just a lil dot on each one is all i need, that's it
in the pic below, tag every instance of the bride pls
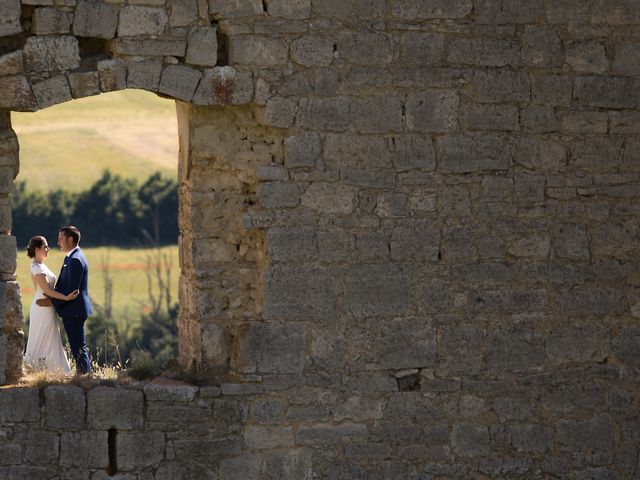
(44, 346)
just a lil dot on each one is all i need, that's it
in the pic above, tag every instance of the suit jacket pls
(73, 276)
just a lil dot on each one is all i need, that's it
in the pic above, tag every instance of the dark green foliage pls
(113, 211)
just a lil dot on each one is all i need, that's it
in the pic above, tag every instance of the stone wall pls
(409, 235)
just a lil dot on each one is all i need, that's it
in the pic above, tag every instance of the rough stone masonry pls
(409, 238)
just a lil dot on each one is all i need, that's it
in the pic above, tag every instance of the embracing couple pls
(68, 297)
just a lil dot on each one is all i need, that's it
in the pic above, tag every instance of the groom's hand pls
(44, 302)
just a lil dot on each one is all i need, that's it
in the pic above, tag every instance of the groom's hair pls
(73, 232)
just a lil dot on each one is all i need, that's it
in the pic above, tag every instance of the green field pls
(131, 132)
(126, 267)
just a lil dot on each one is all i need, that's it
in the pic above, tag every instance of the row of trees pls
(113, 211)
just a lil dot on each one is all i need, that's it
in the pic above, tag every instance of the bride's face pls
(42, 252)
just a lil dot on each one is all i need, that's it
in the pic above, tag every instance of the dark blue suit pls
(74, 276)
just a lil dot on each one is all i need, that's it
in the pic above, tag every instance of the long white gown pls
(44, 346)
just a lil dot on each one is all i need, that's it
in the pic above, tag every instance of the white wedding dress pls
(44, 346)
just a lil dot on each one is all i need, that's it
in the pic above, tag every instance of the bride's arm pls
(41, 279)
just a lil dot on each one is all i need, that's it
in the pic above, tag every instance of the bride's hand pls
(73, 295)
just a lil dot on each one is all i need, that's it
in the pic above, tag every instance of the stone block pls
(235, 8)
(294, 9)
(360, 150)
(335, 245)
(578, 343)
(614, 240)
(257, 51)
(224, 86)
(329, 434)
(615, 12)
(10, 18)
(140, 450)
(365, 48)
(144, 73)
(419, 241)
(302, 150)
(491, 117)
(331, 113)
(530, 438)
(421, 48)
(515, 350)
(51, 54)
(183, 13)
(19, 405)
(42, 447)
(500, 85)
(50, 20)
(8, 244)
(571, 241)
(10, 454)
(52, 91)
(84, 84)
(292, 464)
(278, 194)
(216, 344)
(113, 75)
(567, 11)
(247, 467)
(592, 439)
(172, 469)
(299, 294)
(474, 153)
(170, 392)
(462, 349)
(626, 346)
(590, 301)
(413, 152)
(262, 437)
(483, 51)
(202, 46)
(627, 59)
(498, 12)
(607, 92)
(287, 244)
(377, 289)
(6, 217)
(267, 348)
(312, 50)
(541, 155)
(65, 407)
(329, 198)
(95, 19)
(432, 111)
(585, 122)
(417, 9)
(470, 440)
(179, 82)
(11, 63)
(117, 408)
(358, 409)
(278, 112)
(541, 46)
(267, 411)
(88, 449)
(379, 114)
(587, 57)
(135, 20)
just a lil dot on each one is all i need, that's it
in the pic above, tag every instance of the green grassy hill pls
(131, 132)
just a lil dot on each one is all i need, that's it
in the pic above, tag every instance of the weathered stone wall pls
(409, 229)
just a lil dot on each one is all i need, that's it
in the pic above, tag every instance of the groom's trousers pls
(74, 327)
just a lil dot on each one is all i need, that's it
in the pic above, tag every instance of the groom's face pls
(65, 243)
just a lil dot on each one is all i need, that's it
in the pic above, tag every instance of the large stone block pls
(377, 114)
(515, 350)
(416, 241)
(267, 348)
(278, 112)
(590, 440)
(579, 343)
(329, 198)
(257, 51)
(94, 18)
(150, 46)
(419, 10)
(112, 74)
(627, 59)
(135, 20)
(172, 469)
(377, 289)
(235, 8)
(8, 245)
(247, 467)
(42, 447)
(117, 408)
(299, 294)
(292, 464)
(267, 437)
(474, 153)
(330, 113)
(51, 54)
(87, 449)
(179, 82)
(615, 12)
(52, 91)
(470, 440)
(567, 11)
(312, 50)
(329, 434)
(202, 46)
(295, 9)
(366, 48)
(10, 18)
(286, 244)
(432, 111)
(587, 57)
(607, 92)
(84, 84)
(498, 12)
(590, 301)
(500, 85)
(571, 241)
(626, 345)
(19, 405)
(140, 450)
(485, 52)
(183, 13)
(302, 150)
(491, 117)
(50, 20)
(224, 86)
(421, 48)
(11, 63)
(65, 407)
(462, 349)
(144, 73)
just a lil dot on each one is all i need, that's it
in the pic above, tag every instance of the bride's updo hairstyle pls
(35, 242)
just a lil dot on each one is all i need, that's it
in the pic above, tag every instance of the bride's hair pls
(35, 242)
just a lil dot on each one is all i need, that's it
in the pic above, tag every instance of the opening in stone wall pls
(108, 165)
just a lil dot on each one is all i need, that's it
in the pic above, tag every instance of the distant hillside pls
(131, 132)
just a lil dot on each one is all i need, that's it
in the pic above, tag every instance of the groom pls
(73, 276)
